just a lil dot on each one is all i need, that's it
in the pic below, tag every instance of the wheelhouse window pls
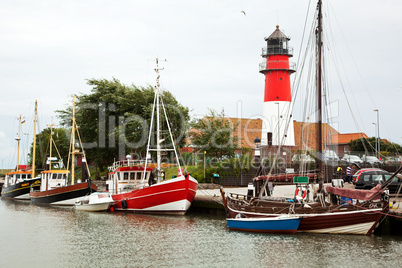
(132, 176)
(125, 176)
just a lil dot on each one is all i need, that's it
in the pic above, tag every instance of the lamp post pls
(205, 166)
(375, 133)
(378, 131)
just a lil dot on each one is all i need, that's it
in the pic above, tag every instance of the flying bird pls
(243, 12)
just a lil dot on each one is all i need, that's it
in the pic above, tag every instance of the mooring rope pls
(213, 197)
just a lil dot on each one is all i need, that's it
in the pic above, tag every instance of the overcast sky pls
(49, 49)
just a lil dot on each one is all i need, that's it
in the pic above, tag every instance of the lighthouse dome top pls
(277, 34)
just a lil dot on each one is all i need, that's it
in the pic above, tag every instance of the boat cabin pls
(51, 179)
(16, 177)
(127, 175)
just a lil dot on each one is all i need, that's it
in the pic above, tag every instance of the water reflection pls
(56, 236)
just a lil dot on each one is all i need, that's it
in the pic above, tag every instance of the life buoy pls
(124, 204)
(304, 194)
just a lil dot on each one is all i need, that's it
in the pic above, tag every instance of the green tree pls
(214, 134)
(362, 145)
(242, 163)
(114, 120)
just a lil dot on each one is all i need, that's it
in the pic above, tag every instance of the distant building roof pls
(347, 137)
(24, 167)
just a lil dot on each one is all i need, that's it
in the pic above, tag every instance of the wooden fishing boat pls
(136, 188)
(18, 184)
(57, 185)
(360, 218)
(283, 224)
(55, 189)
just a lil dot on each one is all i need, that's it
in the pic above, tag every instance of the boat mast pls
(158, 140)
(156, 106)
(319, 84)
(51, 145)
(73, 144)
(18, 140)
(34, 141)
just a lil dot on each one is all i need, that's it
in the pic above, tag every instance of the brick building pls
(247, 130)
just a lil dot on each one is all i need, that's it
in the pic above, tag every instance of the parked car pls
(302, 158)
(330, 157)
(394, 160)
(371, 160)
(369, 179)
(360, 171)
(351, 159)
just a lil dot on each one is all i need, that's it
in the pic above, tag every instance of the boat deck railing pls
(126, 163)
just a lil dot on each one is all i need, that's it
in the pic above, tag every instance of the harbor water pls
(33, 236)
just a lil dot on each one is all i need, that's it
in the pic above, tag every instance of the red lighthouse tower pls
(278, 96)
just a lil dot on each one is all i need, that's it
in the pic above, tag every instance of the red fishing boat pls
(172, 196)
(141, 187)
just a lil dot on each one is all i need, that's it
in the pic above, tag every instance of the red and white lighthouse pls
(278, 97)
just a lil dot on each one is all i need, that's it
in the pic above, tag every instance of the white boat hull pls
(94, 207)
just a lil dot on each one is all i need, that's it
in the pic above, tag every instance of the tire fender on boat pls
(124, 204)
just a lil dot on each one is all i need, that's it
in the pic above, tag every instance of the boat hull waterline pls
(95, 202)
(342, 222)
(62, 196)
(94, 207)
(274, 225)
(20, 190)
(167, 197)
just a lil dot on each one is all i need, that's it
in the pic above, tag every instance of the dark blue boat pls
(276, 225)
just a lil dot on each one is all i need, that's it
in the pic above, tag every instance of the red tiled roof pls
(347, 137)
